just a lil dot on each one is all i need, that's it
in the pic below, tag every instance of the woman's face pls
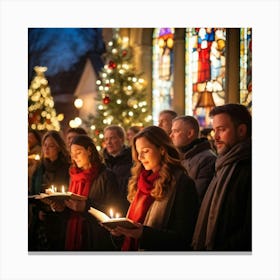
(148, 154)
(81, 156)
(50, 149)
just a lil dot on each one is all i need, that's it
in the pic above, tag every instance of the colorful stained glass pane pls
(163, 56)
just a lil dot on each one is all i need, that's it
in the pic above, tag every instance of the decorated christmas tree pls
(41, 112)
(121, 97)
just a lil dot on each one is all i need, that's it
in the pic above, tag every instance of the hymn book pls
(111, 222)
(59, 196)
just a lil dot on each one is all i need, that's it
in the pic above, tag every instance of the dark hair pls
(192, 121)
(86, 142)
(238, 113)
(36, 134)
(78, 130)
(172, 113)
(135, 128)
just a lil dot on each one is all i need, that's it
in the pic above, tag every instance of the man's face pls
(113, 142)
(226, 135)
(165, 122)
(180, 134)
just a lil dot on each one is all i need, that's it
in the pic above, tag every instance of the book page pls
(102, 217)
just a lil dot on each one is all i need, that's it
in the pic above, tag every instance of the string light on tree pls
(41, 112)
(121, 96)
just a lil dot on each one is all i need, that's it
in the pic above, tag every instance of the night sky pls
(63, 51)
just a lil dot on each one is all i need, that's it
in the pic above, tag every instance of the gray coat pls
(199, 160)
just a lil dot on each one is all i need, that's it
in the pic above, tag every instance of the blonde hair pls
(170, 159)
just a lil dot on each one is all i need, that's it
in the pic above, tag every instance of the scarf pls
(140, 205)
(80, 183)
(205, 230)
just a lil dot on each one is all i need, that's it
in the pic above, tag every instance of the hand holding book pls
(112, 223)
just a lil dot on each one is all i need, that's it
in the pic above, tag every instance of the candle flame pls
(111, 212)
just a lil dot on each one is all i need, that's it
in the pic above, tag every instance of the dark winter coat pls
(49, 233)
(169, 224)
(120, 165)
(225, 217)
(199, 161)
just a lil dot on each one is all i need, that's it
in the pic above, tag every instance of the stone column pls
(232, 65)
(179, 71)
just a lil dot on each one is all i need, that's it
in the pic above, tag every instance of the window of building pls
(205, 68)
(246, 67)
(163, 66)
(205, 71)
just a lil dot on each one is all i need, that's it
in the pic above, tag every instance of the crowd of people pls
(182, 191)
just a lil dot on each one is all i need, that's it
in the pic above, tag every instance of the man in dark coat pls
(225, 219)
(118, 158)
(197, 155)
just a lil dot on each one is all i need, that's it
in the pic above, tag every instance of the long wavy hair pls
(63, 153)
(170, 161)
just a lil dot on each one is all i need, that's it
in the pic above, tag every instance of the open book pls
(61, 196)
(111, 222)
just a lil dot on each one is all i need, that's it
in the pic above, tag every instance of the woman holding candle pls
(164, 202)
(90, 178)
(45, 228)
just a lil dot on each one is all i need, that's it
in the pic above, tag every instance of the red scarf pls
(80, 183)
(140, 205)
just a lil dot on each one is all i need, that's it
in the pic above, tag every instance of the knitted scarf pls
(140, 205)
(205, 230)
(80, 183)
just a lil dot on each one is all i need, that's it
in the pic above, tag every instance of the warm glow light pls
(78, 121)
(111, 213)
(125, 42)
(78, 103)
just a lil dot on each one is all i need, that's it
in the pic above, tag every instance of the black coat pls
(176, 234)
(120, 165)
(235, 219)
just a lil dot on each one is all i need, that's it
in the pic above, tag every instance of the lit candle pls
(52, 188)
(62, 189)
(37, 157)
(111, 213)
(117, 215)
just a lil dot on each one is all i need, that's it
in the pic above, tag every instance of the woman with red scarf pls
(90, 178)
(164, 202)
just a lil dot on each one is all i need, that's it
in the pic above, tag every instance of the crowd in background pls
(182, 189)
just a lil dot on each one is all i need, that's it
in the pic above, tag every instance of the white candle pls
(62, 189)
(117, 215)
(52, 188)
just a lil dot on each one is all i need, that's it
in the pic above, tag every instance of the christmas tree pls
(41, 112)
(121, 96)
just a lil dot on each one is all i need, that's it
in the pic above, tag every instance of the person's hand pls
(134, 233)
(76, 205)
(57, 206)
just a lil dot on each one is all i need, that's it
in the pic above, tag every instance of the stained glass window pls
(163, 55)
(205, 67)
(205, 71)
(246, 67)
